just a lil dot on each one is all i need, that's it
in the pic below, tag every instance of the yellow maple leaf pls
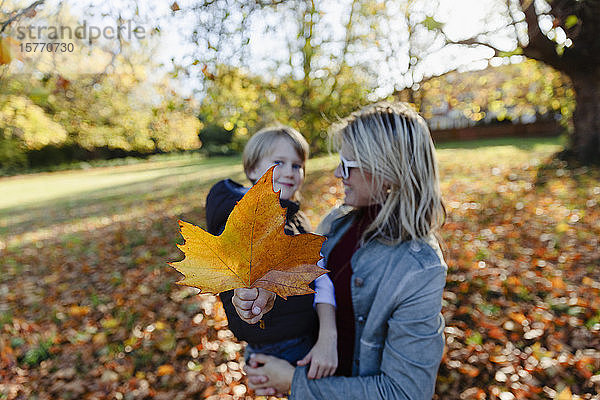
(253, 251)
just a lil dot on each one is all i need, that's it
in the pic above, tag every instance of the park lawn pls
(89, 309)
(73, 196)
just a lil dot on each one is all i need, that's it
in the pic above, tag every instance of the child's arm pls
(323, 356)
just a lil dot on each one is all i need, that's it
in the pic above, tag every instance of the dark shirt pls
(289, 318)
(339, 263)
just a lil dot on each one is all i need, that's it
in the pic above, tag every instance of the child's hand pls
(322, 357)
(252, 304)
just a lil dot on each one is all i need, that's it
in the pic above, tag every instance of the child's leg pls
(290, 350)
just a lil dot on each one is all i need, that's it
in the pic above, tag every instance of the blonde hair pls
(261, 144)
(392, 142)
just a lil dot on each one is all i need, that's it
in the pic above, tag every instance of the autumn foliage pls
(253, 251)
(90, 310)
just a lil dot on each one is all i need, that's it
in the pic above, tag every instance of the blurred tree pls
(563, 34)
(25, 121)
(174, 125)
(13, 13)
(525, 91)
(335, 53)
(216, 140)
(100, 99)
(91, 117)
(242, 103)
(390, 42)
(316, 80)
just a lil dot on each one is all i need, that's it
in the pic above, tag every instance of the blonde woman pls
(387, 267)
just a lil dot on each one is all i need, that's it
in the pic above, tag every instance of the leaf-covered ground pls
(89, 308)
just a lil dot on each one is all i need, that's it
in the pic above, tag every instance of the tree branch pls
(344, 51)
(270, 3)
(473, 42)
(514, 23)
(540, 47)
(19, 14)
(476, 41)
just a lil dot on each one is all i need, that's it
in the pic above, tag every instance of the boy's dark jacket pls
(289, 318)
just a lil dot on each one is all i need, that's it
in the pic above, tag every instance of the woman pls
(386, 266)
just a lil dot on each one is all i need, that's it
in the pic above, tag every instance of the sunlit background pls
(228, 68)
(106, 141)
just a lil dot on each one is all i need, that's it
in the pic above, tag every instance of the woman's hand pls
(269, 375)
(252, 304)
(322, 357)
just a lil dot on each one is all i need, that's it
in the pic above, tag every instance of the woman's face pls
(288, 176)
(357, 187)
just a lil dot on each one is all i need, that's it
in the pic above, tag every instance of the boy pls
(289, 328)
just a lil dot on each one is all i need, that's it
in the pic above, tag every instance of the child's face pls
(288, 176)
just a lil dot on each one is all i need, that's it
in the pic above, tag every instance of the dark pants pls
(290, 350)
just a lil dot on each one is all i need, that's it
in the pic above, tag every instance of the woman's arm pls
(410, 357)
(412, 349)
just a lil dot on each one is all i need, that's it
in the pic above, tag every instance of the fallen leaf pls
(253, 251)
(587, 281)
(518, 317)
(496, 333)
(469, 370)
(558, 283)
(562, 227)
(585, 366)
(166, 369)
(62, 83)
(565, 394)
(109, 323)
(79, 311)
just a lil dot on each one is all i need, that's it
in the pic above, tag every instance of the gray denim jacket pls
(397, 300)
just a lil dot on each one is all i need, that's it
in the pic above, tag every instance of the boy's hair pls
(392, 142)
(260, 144)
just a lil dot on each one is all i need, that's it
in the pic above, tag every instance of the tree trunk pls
(585, 140)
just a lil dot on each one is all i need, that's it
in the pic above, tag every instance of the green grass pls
(106, 182)
(64, 203)
(461, 158)
(532, 144)
(44, 200)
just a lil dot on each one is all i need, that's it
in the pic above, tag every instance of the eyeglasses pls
(346, 165)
